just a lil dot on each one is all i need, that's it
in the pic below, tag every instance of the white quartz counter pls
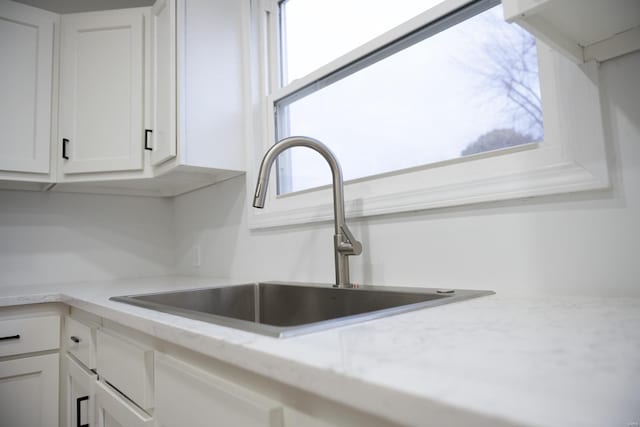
(491, 361)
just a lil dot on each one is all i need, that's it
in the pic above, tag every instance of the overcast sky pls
(422, 105)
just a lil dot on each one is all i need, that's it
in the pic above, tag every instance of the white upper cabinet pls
(26, 49)
(163, 141)
(101, 91)
(147, 101)
(583, 30)
(195, 92)
(210, 71)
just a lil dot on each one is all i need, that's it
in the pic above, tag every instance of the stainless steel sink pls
(287, 309)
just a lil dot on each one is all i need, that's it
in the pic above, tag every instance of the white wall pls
(586, 243)
(55, 237)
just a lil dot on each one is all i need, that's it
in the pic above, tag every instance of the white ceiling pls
(71, 6)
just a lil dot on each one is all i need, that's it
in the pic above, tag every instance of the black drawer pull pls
(65, 142)
(74, 339)
(10, 337)
(79, 412)
(146, 139)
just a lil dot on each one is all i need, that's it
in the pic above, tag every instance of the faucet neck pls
(345, 243)
(299, 141)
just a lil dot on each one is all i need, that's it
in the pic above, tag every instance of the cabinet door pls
(188, 396)
(112, 410)
(29, 391)
(164, 140)
(127, 366)
(26, 49)
(78, 382)
(102, 91)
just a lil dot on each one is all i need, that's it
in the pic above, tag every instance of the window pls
(428, 97)
(435, 103)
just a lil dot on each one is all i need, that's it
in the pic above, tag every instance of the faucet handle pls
(351, 246)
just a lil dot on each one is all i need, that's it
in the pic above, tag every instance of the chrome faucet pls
(344, 243)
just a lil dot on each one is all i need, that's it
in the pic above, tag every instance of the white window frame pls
(571, 158)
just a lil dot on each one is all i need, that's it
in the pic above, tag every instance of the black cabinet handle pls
(74, 339)
(79, 412)
(10, 337)
(146, 139)
(65, 141)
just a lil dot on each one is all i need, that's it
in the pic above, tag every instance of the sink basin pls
(288, 309)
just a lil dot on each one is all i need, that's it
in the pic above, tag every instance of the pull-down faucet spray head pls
(261, 193)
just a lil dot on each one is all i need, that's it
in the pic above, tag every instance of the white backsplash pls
(56, 237)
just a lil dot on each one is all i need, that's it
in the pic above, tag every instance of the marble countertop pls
(492, 361)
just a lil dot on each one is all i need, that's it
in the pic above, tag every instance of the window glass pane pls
(471, 88)
(319, 31)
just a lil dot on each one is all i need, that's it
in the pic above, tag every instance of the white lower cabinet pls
(142, 381)
(189, 396)
(29, 366)
(29, 391)
(79, 394)
(119, 391)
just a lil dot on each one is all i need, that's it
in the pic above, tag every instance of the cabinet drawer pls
(26, 335)
(127, 366)
(210, 398)
(113, 410)
(78, 339)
